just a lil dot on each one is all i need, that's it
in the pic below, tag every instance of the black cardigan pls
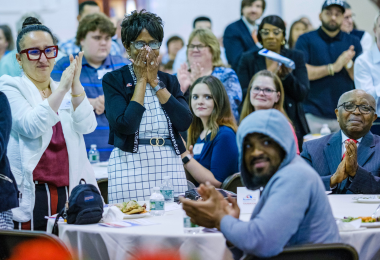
(124, 115)
(8, 189)
(296, 84)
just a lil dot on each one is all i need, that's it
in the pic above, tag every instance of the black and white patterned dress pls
(134, 175)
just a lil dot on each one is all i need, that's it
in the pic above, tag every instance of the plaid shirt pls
(91, 80)
(69, 47)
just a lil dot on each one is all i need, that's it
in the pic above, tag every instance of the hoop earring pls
(283, 42)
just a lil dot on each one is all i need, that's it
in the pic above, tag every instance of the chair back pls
(336, 251)
(232, 182)
(103, 187)
(9, 239)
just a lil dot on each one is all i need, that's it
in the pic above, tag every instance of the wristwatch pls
(159, 86)
(186, 159)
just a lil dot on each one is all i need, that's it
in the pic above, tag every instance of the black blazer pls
(296, 85)
(124, 115)
(8, 185)
(236, 40)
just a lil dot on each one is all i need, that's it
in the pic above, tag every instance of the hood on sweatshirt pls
(272, 123)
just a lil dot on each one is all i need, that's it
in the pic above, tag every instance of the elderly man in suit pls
(347, 160)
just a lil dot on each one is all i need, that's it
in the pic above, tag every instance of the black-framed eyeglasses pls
(199, 47)
(351, 107)
(266, 32)
(154, 45)
(266, 91)
(35, 53)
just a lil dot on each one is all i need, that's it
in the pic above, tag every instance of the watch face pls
(161, 84)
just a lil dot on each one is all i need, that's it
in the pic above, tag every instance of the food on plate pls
(364, 219)
(131, 207)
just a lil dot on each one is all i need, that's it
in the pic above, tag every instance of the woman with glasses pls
(265, 91)
(203, 56)
(212, 151)
(46, 149)
(295, 82)
(146, 110)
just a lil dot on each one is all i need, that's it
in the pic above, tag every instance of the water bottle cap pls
(93, 146)
(325, 125)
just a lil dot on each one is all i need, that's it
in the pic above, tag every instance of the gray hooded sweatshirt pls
(293, 208)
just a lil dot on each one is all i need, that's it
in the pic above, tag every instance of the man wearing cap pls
(329, 55)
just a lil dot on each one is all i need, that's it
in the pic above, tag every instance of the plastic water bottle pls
(167, 189)
(188, 226)
(93, 154)
(157, 203)
(325, 130)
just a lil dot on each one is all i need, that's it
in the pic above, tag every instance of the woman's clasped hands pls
(71, 75)
(146, 66)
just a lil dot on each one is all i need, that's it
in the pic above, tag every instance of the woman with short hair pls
(295, 82)
(212, 151)
(46, 150)
(146, 110)
(203, 55)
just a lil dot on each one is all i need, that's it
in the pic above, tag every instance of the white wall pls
(58, 15)
(178, 15)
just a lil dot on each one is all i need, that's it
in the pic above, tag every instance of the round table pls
(366, 242)
(96, 242)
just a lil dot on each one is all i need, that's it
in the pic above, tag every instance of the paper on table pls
(128, 223)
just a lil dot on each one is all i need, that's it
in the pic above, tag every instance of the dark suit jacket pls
(124, 115)
(236, 40)
(8, 185)
(325, 154)
(296, 85)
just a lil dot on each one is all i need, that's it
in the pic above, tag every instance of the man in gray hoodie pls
(293, 208)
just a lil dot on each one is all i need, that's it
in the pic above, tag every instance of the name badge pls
(198, 148)
(66, 104)
(247, 199)
(102, 72)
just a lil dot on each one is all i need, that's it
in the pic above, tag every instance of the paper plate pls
(362, 200)
(143, 215)
(370, 224)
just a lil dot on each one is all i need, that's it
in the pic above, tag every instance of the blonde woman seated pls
(212, 151)
(265, 91)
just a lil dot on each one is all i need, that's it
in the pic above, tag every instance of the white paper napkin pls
(112, 214)
(348, 226)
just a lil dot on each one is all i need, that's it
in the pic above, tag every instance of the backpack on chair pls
(85, 206)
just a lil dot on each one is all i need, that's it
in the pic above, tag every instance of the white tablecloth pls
(366, 242)
(96, 242)
(100, 170)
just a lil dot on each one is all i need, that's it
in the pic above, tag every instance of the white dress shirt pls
(367, 73)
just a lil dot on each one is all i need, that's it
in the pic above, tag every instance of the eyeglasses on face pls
(351, 107)
(154, 45)
(199, 47)
(266, 91)
(266, 32)
(35, 53)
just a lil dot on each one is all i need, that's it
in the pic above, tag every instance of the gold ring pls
(350, 155)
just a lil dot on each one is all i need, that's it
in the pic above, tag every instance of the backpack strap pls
(80, 182)
(55, 226)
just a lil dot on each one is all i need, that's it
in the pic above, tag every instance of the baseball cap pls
(338, 3)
